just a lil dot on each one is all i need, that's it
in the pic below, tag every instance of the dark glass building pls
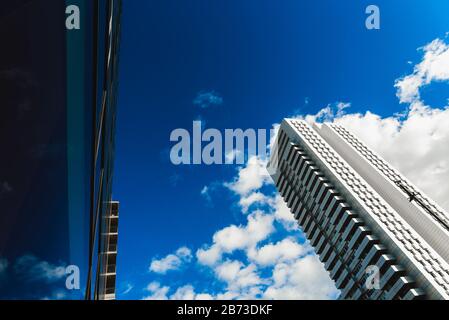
(58, 84)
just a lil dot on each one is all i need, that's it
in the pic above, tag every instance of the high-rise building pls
(58, 95)
(109, 254)
(378, 235)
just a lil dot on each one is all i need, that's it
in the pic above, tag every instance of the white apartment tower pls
(361, 215)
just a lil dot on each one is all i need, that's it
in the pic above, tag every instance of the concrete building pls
(365, 220)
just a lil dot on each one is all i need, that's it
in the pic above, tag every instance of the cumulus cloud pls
(259, 226)
(251, 275)
(239, 277)
(273, 253)
(302, 279)
(156, 291)
(249, 280)
(246, 260)
(187, 292)
(251, 177)
(433, 67)
(254, 198)
(206, 99)
(172, 261)
(33, 269)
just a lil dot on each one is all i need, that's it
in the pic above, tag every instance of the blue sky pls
(260, 61)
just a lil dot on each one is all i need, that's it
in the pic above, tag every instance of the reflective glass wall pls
(57, 115)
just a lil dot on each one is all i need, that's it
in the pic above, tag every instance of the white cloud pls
(57, 295)
(206, 99)
(303, 279)
(157, 292)
(205, 190)
(238, 276)
(188, 293)
(250, 177)
(328, 113)
(128, 289)
(433, 67)
(209, 255)
(245, 280)
(205, 193)
(33, 269)
(242, 256)
(285, 250)
(259, 226)
(251, 199)
(172, 261)
(283, 215)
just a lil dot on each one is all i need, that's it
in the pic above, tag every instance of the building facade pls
(58, 96)
(378, 235)
(108, 273)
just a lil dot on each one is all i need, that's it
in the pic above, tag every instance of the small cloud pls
(274, 253)
(255, 198)
(57, 295)
(329, 113)
(234, 238)
(128, 289)
(157, 292)
(172, 261)
(207, 191)
(33, 269)
(434, 66)
(206, 99)
(187, 292)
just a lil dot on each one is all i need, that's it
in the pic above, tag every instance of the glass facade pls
(57, 123)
